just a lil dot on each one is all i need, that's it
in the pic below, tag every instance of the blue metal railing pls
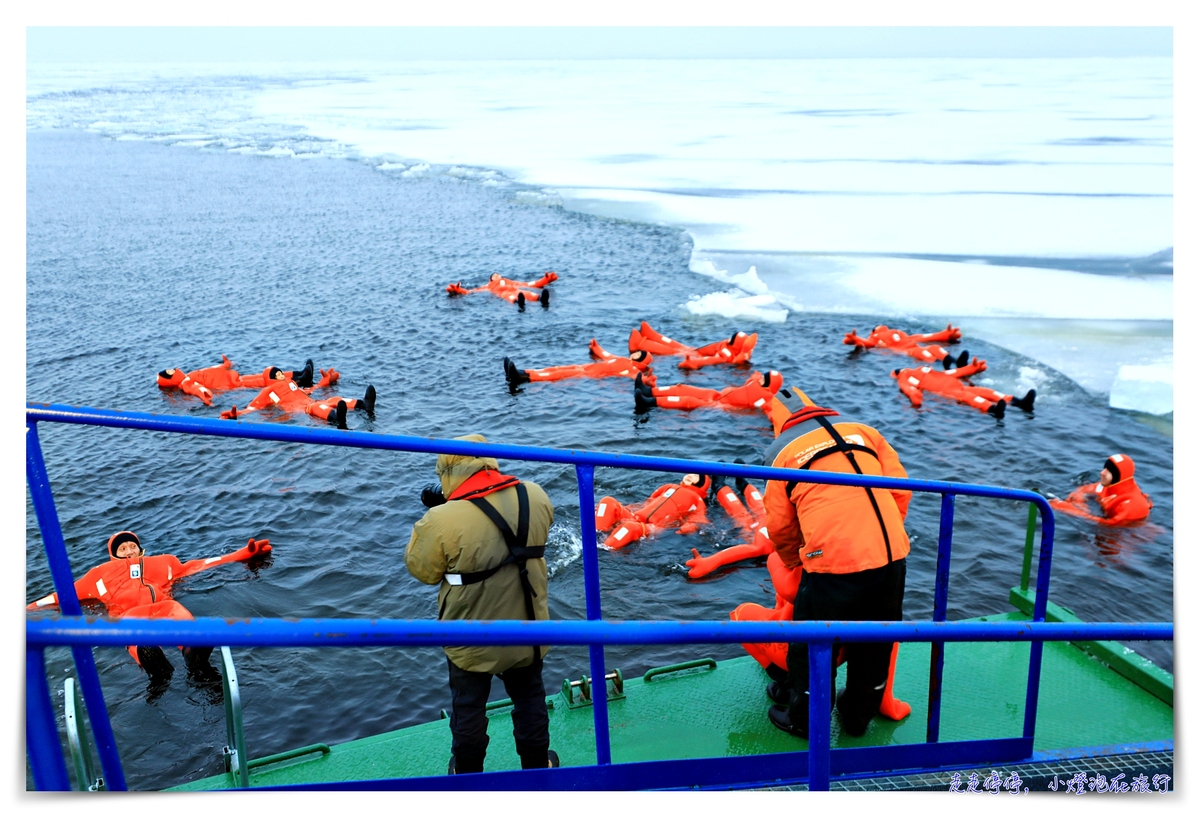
(74, 632)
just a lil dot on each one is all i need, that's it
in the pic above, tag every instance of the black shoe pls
(514, 376)
(155, 662)
(643, 399)
(196, 659)
(996, 410)
(854, 724)
(740, 481)
(304, 377)
(554, 762)
(778, 716)
(368, 401)
(521, 302)
(451, 769)
(963, 358)
(779, 694)
(544, 298)
(1026, 403)
(339, 415)
(948, 361)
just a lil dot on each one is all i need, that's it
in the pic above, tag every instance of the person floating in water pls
(681, 505)
(755, 393)
(132, 585)
(734, 351)
(287, 396)
(606, 365)
(922, 346)
(202, 383)
(1121, 500)
(914, 382)
(514, 292)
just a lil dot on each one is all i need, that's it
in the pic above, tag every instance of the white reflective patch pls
(292, 386)
(170, 573)
(273, 397)
(1116, 458)
(754, 493)
(46, 600)
(979, 399)
(726, 352)
(925, 369)
(623, 372)
(453, 579)
(856, 439)
(758, 403)
(600, 509)
(620, 533)
(211, 560)
(668, 492)
(693, 508)
(100, 589)
(913, 381)
(763, 531)
(135, 571)
(895, 337)
(673, 398)
(667, 340)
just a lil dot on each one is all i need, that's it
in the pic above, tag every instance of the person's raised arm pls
(253, 549)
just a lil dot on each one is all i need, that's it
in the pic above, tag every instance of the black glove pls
(432, 496)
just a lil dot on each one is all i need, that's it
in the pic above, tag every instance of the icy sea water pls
(142, 257)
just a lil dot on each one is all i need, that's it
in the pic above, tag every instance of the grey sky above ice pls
(252, 44)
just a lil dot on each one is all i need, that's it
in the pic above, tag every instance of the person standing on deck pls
(852, 544)
(483, 540)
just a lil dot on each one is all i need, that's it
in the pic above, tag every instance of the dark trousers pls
(875, 594)
(468, 720)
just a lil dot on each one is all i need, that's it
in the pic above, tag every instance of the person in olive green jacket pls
(483, 540)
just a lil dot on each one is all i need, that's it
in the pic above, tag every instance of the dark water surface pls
(142, 257)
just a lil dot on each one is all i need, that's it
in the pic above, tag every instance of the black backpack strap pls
(518, 551)
(848, 449)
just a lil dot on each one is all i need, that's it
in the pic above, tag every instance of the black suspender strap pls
(848, 449)
(518, 552)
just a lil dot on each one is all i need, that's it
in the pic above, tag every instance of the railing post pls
(45, 757)
(591, 587)
(1039, 615)
(1027, 561)
(820, 672)
(941, 593)
(68, 603)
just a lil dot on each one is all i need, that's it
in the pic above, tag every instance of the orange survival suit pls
(607, 365)
(885, 337)
(647, 339)
(749, 521)
(202, 383)
(288, 397)
(140, 587)
(735, 350)
(1122, 501)
(755, 393)
(913, 382)
(674, 504)
(506, 288)
(851, 543)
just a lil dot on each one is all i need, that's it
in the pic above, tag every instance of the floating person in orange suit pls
(922, 346)
(647, 339)
(606, 365)
(1121, 500)
(133, 585)
(914, 382)
(287, 396)
(681, 505)
(202, 383)
(735, 351)
(755, 393)
(514, 292)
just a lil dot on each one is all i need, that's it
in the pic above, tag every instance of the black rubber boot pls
(643, 397)
(521, 302)
(778, 693)
(963, 358)
(778, 716)
(948, 361)
(339, 415)
(740, 481)
(996, 410)
(155, 662)
(544, 298)
(199, 667)
(368, 402)
(514, 376)
(304, 377)
(1026, 403)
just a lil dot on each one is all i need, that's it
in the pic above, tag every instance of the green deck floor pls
(702, 713)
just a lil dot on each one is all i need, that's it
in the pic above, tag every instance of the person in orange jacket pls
(735, 351)
(755, 393)
(682, 505)
(202, 383)
(514, 292)
(1122, 501)
(606, 365)
(287, 396)
(922, 346)
(850, 541)
(913, 382)
(133, 585)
